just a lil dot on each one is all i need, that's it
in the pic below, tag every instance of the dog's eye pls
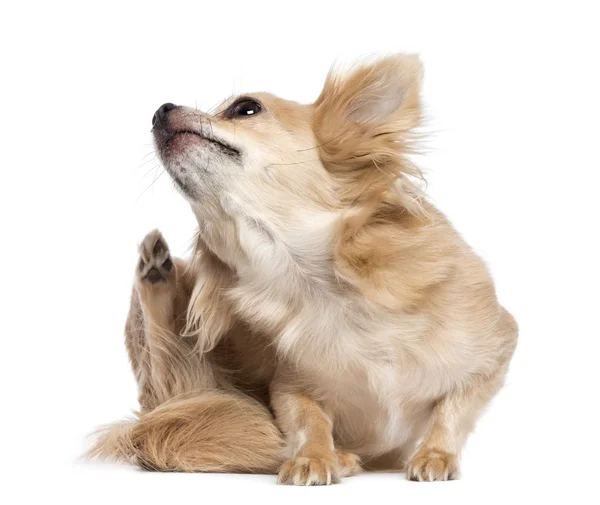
(244, 107)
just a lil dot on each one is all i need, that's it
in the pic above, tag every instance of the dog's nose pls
(161, 114)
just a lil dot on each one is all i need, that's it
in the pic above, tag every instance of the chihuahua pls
(330, 318)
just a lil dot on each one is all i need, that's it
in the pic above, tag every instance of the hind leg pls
(454, 416)
(437, 457)
(163, 282)
(156, 317)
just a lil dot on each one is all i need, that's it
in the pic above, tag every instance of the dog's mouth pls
(222, 145)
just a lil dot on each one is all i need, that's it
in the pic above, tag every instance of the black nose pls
(161, 114)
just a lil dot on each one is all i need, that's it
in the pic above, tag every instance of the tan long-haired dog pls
(324, 287)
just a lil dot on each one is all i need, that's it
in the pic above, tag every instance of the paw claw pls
(304, 471)
(430, 465)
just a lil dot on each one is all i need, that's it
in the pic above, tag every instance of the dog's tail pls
(206, 432)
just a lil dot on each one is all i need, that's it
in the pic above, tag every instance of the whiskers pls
(155, 170)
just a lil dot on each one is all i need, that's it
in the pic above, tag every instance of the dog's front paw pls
(429, 465)
(155, 264)
(310, 471)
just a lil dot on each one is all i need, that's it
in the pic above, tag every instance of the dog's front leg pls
(308, 428)
(308, 431)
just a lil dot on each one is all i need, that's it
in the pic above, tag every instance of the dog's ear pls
(364, 120)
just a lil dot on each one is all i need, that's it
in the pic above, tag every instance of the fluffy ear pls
(363, 123)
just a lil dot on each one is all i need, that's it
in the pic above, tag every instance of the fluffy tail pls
(206, 432)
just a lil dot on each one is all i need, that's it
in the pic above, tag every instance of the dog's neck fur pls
(253, 247)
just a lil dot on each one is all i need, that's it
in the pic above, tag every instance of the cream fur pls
(374, 326)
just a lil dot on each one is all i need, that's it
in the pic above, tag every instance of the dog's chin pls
(174, 147)
(182, 180)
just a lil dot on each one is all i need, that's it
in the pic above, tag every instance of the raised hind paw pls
(155, 264)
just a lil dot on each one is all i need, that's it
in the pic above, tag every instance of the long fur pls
(210, 431)
(192, 419)
(324, 284)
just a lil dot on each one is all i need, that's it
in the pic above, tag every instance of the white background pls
(512, 95)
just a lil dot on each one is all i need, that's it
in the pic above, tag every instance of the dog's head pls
(264, 170)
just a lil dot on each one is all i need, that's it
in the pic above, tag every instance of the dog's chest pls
(338, 340)
(311, 326)
(356, 360)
